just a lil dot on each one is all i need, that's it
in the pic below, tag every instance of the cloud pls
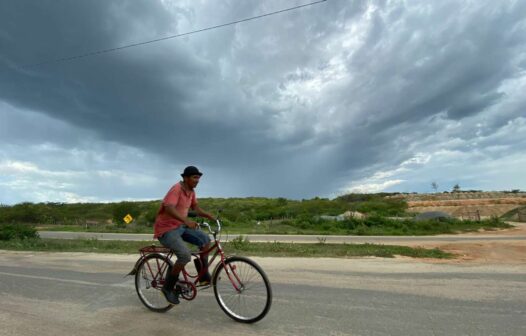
(300, 104)
(364, 188)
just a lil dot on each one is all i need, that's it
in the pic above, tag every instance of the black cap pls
(190, 171)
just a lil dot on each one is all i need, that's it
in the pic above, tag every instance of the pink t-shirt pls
(183, 201)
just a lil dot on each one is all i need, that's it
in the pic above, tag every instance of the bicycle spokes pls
(242, 290)
(231, 271)
(150, 279)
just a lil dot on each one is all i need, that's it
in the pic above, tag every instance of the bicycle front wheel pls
(149, 280)
(242, 289)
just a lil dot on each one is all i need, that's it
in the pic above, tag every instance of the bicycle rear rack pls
(144, 251)
(154, 249)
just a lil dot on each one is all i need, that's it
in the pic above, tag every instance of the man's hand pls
(191, 224)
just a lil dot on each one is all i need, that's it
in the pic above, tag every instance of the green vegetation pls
(333, 250)
(80, 214)
(122, 209)
(17, 231)
(385, 216)
(98, 228)
(245, 210)
(377, 226)
(375, 204)
(238, 210)
(239, 246)
(371, 226)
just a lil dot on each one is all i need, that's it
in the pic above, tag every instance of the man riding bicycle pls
(173, 228)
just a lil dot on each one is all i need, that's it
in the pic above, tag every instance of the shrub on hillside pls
(120, 210)
(17, 231)
(375, 204)
(149, 214)
(381, 207)
(20, 213)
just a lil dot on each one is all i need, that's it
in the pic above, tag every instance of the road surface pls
(86, 294)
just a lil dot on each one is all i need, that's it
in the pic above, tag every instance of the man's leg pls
(173, 240)
(206, 278)
(200, 239)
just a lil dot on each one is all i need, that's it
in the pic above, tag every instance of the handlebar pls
(217, 230)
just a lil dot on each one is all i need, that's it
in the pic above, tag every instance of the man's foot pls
(168, 288)
(170, 295)
(205, 279)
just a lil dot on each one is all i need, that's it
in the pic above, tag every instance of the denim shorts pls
(175, 240)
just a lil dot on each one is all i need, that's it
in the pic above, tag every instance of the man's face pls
(192, 181)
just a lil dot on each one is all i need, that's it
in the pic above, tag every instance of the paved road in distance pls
(296, 238)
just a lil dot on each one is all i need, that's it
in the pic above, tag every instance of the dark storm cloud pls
(417, 64)
(168, 98)
(149, 98)
(296, 103)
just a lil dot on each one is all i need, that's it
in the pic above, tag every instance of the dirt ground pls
(468, 211)
(466, 204)
(486, 251)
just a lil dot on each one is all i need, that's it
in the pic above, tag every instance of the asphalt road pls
(86, 294)
(297, 238)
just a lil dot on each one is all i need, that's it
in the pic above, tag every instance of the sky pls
(338, 97)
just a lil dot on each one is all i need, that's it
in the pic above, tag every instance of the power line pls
(98, 52)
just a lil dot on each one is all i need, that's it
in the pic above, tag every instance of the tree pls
(434, 185)
(456, 188)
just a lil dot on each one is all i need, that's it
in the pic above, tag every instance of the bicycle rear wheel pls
(242, 289)
(149, 280)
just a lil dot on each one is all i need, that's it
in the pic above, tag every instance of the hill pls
(471, 204)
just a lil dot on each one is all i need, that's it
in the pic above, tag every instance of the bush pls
(240, 243)
(122, 209)
(17, 231)
(20, 213)
(150, 214)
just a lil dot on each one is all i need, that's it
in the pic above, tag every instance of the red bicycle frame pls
(160, 269)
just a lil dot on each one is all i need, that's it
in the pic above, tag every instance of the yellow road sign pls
(128, 218)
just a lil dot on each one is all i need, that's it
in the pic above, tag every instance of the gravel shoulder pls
(483, 251)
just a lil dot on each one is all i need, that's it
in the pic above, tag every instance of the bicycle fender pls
(138, 262)
(135, 267)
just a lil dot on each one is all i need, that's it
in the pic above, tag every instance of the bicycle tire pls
(148, 285)
(254, 289)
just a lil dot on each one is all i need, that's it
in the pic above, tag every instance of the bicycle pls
(241, 287)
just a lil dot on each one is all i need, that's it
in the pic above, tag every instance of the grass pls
(381, 226)
(277, 249)
(97, 228)
(373, 226)
(238, 246)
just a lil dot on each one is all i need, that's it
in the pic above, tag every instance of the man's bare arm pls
(200, 212)
(172, 211)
